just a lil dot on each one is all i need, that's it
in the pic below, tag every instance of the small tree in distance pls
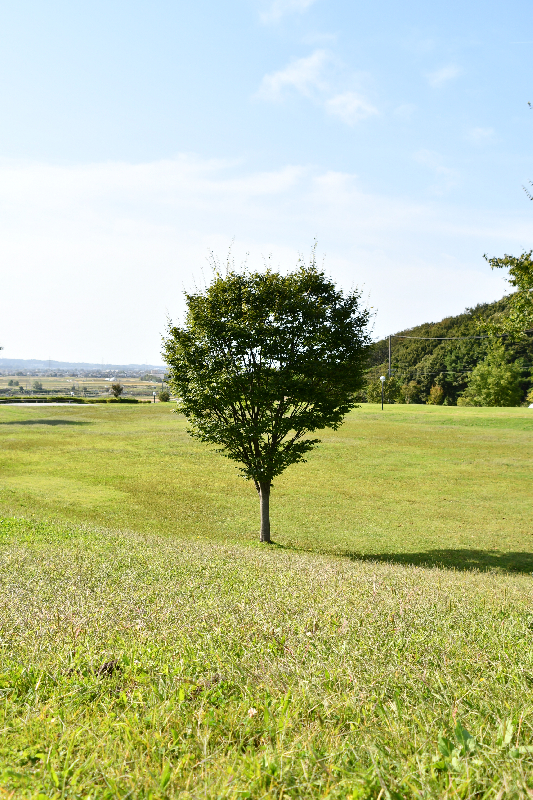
(436, 395)
(493, 382)
(391, 390)
(411, 392)
(117, 389)
(262, 361)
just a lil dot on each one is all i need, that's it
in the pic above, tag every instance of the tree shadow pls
(459, 559)
(45, 422)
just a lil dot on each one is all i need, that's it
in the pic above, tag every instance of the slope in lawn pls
(421, 484)
(137, 665)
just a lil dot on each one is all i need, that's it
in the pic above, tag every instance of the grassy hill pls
(447, 363)
(151, 648)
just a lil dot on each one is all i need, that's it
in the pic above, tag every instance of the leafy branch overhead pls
(519, 316)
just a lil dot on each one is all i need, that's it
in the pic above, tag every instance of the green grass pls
(416, 484)
(332, 664)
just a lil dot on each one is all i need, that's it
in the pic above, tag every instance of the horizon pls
(55, 364)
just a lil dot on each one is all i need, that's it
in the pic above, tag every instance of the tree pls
(391, 390)
(494, 382)
(436, 395)
(519, 315)
(117, 389)
(37, 385)
(411, 392)
(164, 396)
(263, 360)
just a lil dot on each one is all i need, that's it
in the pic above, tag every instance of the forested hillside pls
(447, 363)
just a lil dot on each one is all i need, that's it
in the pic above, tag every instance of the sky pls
(137, 137)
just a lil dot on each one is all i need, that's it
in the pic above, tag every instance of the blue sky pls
(136, 136)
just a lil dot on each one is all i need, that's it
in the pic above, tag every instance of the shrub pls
(391, 391)
(494, 382)
(436, 396)
(164, 396)
(121, 400)
(411, 392)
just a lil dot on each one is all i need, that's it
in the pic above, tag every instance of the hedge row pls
(59, 399)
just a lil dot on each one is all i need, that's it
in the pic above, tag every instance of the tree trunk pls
(264, 501)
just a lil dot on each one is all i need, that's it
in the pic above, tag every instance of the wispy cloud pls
(446, 177)
(350, 107)
(443, 75)
(481, 134)
(279, 8)
(134, 235)
(316, 77)
(405, 110)
(303, 74)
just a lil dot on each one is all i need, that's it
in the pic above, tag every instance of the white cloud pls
(405, 110)
(443, 75)
(307, 76)
(303, 74)
(446, 177)
(481, 134)
(350, 107)
(105, 250)
(279, 8)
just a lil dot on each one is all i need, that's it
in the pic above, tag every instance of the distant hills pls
(447, 363)
(33, 363)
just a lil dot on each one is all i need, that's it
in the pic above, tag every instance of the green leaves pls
(494, 382)
(520, 314)
(165, 776)
(505, 733)
(465, 743)
(265, 359)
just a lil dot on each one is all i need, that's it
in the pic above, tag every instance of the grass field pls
(383, 647)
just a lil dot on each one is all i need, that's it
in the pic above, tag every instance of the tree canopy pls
(447, 362)
(494, 382)
(519, 313)
(262, 361)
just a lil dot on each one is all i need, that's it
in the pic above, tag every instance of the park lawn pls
(421, 484)
(151, 648)
(146, 666)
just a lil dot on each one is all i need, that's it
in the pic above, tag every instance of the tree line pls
(446, 371)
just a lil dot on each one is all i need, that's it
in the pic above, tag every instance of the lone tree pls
(117, 389)
(263, 360)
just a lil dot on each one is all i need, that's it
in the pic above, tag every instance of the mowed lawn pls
(151, 648)
(422, 484)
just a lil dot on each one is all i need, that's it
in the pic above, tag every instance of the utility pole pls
(390, 372)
